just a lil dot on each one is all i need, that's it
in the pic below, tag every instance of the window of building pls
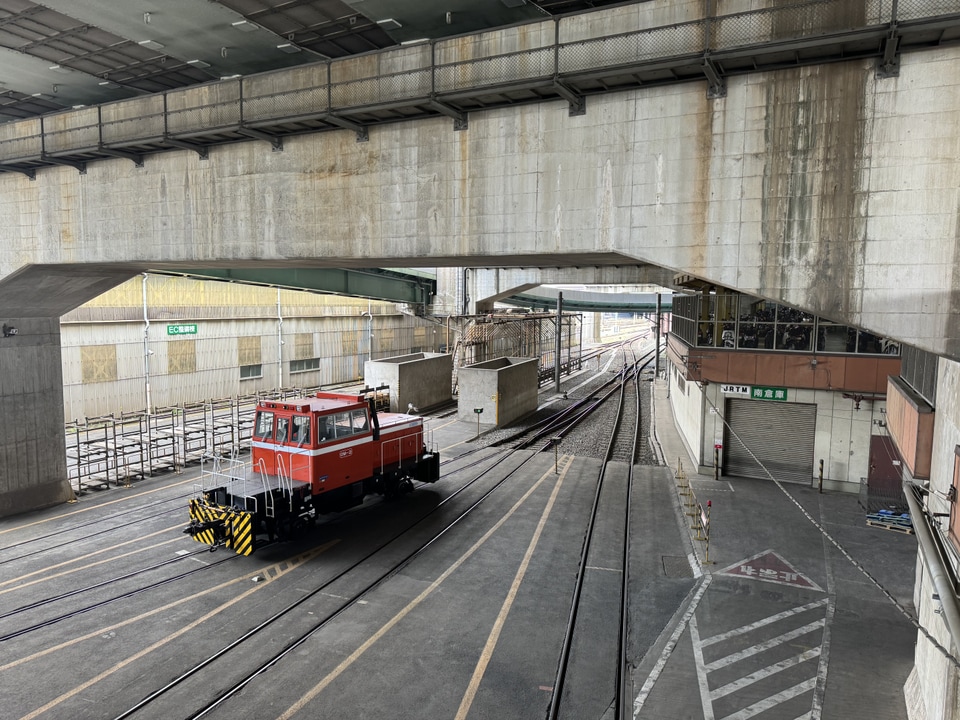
(98, 363)
(304, 365)
(251, 371)
(249, 356)
(182, 356)
(746, 322)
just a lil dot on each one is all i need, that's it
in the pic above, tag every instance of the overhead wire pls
(833, 541)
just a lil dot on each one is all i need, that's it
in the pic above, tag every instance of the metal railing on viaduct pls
(569, 58)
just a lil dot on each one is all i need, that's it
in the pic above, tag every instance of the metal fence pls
(260, 99)
(118, 449)
(873, 499)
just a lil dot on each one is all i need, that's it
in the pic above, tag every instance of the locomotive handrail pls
(383, 450)
(268, 499)
(286, 478)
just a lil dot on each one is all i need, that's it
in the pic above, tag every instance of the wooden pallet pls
(896, 527)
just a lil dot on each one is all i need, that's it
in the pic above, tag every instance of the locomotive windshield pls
(341, 425)
(301, 430)
(283, 425)
(263, 428)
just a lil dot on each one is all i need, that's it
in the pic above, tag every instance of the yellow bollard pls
(706, 556)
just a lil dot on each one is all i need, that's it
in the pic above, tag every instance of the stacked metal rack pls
(164, 450)
(191, 432)
(117, 449)
(88, 442)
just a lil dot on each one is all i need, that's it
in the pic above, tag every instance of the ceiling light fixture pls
(288, 48)
(198, 63)
(59, 69)
(150, 44)
(245, 26)
(389, 24)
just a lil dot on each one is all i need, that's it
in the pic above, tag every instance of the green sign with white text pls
(758, 392)
(181, 329)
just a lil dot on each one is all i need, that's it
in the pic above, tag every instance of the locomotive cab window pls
(283, 428)
(301, 430)
(324, 429)
(360, 421)
(263, 428)
(342, 424)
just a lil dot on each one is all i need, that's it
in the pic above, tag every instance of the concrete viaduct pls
(820, 170)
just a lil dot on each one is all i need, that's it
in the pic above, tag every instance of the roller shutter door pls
(781, 435)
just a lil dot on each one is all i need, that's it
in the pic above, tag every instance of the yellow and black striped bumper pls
(215, 526)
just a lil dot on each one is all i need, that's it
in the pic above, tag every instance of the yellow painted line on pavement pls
(444, 449)
(390, 624)
(270, 574)
(125, 498)
(487, 654)
(87, 556)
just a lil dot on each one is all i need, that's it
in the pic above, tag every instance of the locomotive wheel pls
(288, 528)
(392, 487)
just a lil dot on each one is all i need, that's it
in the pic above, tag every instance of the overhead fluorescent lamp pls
(415, 42)
(245, 26)
(198, 63)
(389, 24)
(108, 84)
(42, 96)
(150, 45)
(230, 77)
(59, 69)
(288, 48)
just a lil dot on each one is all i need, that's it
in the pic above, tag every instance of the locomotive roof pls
(321, 402)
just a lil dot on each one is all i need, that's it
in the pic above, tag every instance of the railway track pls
(618, 385)
(225, 664)
(621, 448)
(351, 601)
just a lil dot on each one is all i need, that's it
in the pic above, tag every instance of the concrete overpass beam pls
(33, 470)
(486, 286)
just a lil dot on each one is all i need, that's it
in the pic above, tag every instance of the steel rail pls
(628, 374)
(349, 602)
(124, 596)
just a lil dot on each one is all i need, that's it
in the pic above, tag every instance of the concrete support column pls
(33, 466)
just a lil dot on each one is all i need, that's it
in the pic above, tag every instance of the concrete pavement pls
(786, 619)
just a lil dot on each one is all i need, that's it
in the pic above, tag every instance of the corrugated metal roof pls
(65, 53)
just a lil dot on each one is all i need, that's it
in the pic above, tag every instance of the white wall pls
(938, 679)
(687, 404)
(338, 341)
(842, 436)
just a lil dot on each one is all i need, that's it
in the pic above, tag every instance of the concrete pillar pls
(33, 465)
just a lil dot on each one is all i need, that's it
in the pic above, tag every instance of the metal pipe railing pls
(197, 108)
(936, 564)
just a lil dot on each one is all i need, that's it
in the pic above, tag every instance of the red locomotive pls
(309, 456)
